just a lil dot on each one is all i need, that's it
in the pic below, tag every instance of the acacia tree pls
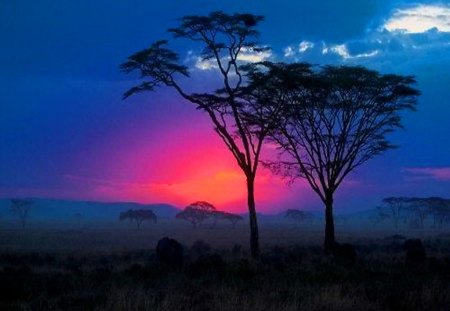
(335, 121)
(226, 41)
(233, 218)
(193, 215)
(21, 208)
(139, 216)
(440, 209)
(395, 206)
(203, 206)
(298, 216)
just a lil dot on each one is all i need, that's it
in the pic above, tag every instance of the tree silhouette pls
(226, 40)
(440, 209)
(298, 215)
(21, 208)
(395, 207)
(336, 119)
(139, 216)
(381, 215)
(233, 218)
(422, 208)
(193, 215)
(203, 206)
(78, 217)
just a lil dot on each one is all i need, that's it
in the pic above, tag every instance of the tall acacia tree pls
(226, 41)
(334, 121)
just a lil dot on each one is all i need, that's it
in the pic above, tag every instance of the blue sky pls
(64, 127)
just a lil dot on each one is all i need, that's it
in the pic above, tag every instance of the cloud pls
(419, 19)
(410, 36)
(205, 64)
(250, 56)
(289, 51)
(436, 173)
(246, 56)
(342, 50)
(304, 46)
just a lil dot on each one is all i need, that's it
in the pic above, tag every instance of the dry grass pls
(114, 267)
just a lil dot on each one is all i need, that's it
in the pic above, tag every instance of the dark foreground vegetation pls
(298, 277)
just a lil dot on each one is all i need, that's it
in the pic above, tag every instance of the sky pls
(65, 131)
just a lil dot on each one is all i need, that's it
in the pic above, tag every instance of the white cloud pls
(342, 50)
(205, 64)
(245, 56)
(289, 51)
(304, 46)
(420, 19)
(248, 55)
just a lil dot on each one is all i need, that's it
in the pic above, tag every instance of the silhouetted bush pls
(170, 253)
(276, 258)
(395, 237)
(236, 251)
(415, 251)
(295, 254)
(344, 252)
(206, 264)
(200, 247)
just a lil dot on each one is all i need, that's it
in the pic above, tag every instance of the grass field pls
(113, 266)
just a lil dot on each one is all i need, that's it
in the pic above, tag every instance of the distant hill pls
(53, 209)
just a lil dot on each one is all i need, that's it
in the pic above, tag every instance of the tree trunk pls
(329, 223)
(138, 222)
(254, 235)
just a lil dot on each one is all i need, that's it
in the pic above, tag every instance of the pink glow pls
(438, 173)
(177, 165)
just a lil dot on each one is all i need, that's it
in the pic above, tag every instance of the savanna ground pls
(113, 266)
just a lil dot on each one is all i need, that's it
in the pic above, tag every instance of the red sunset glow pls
(178, 165)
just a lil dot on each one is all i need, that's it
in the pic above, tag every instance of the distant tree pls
(233, 218)
(193, 215)
(200, 211)
(420, 210)
(139, 216)
(394, 207)
(298, 216)
(440, 209)
(78, 217)
(226, 41)
(335, 119)
(203, 206)
(21, 208)
(381, 215)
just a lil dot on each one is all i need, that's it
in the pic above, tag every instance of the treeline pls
(414, 212)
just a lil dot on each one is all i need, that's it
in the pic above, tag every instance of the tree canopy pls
(335, 118)
(226, 41)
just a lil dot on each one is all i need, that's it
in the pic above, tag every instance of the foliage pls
(415, 210)
(21, 208)
(224, 40)
(298, 215)
(139, 216)
(334, 119)
(200, 211)
(233, 218)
